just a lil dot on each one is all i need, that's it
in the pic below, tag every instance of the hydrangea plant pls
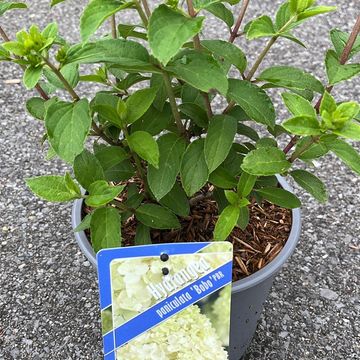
(151, 143)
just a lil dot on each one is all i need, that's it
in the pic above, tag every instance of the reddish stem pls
(234, 32)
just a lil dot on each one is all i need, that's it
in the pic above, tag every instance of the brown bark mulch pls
(263, 239)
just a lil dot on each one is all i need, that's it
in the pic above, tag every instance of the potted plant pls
(155, 161)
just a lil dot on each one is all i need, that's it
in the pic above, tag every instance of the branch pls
(40, 90)
(58, 73)
(141, 13)
(173, 104)
(146, 7)
(234, 32)
(345, 55)
(261, 58)
(343, 60)
(113, 26)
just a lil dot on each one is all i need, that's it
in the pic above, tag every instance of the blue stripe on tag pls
(151, 318)
(108, 340)
(105, 256)
(110, 356)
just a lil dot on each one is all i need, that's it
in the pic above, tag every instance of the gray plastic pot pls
(248, 295)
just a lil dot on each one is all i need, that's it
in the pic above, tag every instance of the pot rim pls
(250, 281)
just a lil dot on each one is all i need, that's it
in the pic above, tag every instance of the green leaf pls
(292, 78)
(156, 217)
(120, 172)
(340, 38)
(316, 10)
(337, 72)
(246, 184)
(154, 121)
(126, 31)
(219, 139)
(105, 227)
(280, 197)
(265, 162)
(32, 76)
(162, 179)
(101, 193)
(283, 15)
(6, 6)
(203, 4)
(255, 102)
(70, 73)
(109, 156)
(328, 103)
(226, 222)
(200, 71)
(302, 125)
(231, 197)
(193, 171)
(227, 51)
(349, 131)
(244, 218)
(169, 30)
(345, 112)
(145, 146)
(311, 184)
(346, 153)
(14, 47)
(67, 126)
(138, 103)
(36, 107)
(142, 236)
(222, 12)
(72, 185)
(298, 6)
(313, 151)
(177, 201)
(105, 105)
(96, 12)
(298, 106)
(87, 169)
(247, 131)
(85, 223)
(51, 188)
(195, 113)
(222, 178)
(126, 54)
(261, 27)
(55, 2)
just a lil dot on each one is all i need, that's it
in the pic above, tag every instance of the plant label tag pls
(166, 301)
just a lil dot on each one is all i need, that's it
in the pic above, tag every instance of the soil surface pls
(254, 247)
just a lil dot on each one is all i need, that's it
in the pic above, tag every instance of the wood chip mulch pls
(254, 247)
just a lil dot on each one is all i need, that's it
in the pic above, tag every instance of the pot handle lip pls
(276, 264)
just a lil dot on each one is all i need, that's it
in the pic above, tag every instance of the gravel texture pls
(48, 291)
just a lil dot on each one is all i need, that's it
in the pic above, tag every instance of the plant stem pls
(343, 59)
(39, 89)
(234, 32)
(146, 8)
(58, 73)
(113, 26)
(173, 104)
(141, 13)
(345, 55)
(350, 44)
(295, 155)
(261, 58)
(197, 46)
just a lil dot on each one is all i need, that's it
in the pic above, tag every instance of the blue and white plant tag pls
(166, 301)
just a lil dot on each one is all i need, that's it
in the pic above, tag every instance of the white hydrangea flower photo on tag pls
(166, 301)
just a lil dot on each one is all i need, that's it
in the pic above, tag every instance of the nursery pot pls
(248, 294)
